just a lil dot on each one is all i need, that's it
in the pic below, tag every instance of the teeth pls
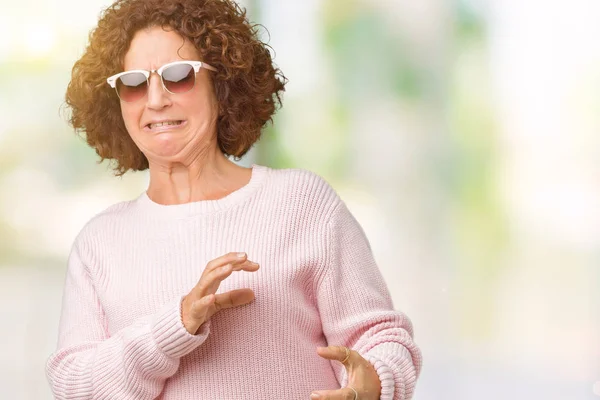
(159, 124)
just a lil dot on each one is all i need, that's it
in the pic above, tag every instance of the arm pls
(357, 311)
(133, 363)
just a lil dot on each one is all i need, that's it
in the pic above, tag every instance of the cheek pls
(131, 119)
(205, 112)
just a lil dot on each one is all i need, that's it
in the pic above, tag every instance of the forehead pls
(153, 47)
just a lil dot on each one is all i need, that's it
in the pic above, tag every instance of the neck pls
(209, 176)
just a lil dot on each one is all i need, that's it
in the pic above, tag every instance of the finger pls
(246, 266)
(339, 394)
(210, 283)
(229, 258)
(337, 353)
(225, 270)
(234, 298)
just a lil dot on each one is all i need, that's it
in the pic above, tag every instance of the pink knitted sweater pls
(121, 334)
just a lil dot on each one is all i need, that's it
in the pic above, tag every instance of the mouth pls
(164, 124)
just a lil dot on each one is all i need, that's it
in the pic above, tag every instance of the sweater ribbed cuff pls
(396, 370)
(386, 377)
(170, 334)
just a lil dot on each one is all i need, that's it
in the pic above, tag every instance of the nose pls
(157, 98)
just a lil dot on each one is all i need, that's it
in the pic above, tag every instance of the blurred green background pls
(463, 135)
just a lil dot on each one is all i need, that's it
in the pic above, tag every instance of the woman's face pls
(197, 109)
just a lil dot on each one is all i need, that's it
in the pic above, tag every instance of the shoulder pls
(299, 181)
(314, 196)
(103, 225)
(305, 189)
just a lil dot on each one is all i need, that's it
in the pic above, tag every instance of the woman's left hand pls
(361, 376)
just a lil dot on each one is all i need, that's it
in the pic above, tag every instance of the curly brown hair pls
(247, 85)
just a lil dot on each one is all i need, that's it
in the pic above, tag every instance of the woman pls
(218, 282)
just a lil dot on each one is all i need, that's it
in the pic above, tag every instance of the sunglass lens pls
(132, 86)
(179, 78)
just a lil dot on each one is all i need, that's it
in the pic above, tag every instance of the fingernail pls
(315, 396)
(241, 255)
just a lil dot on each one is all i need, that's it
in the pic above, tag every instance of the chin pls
(165, 148)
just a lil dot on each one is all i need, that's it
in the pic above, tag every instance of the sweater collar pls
(148, 206)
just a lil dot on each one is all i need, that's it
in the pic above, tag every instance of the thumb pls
(337, 353)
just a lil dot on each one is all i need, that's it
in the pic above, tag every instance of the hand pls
(201, 302)
(361, 376)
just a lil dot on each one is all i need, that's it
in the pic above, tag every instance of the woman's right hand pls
(201, 302)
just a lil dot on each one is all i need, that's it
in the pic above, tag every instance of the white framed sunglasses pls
(176, 77)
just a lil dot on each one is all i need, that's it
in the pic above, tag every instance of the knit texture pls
(121, 334)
